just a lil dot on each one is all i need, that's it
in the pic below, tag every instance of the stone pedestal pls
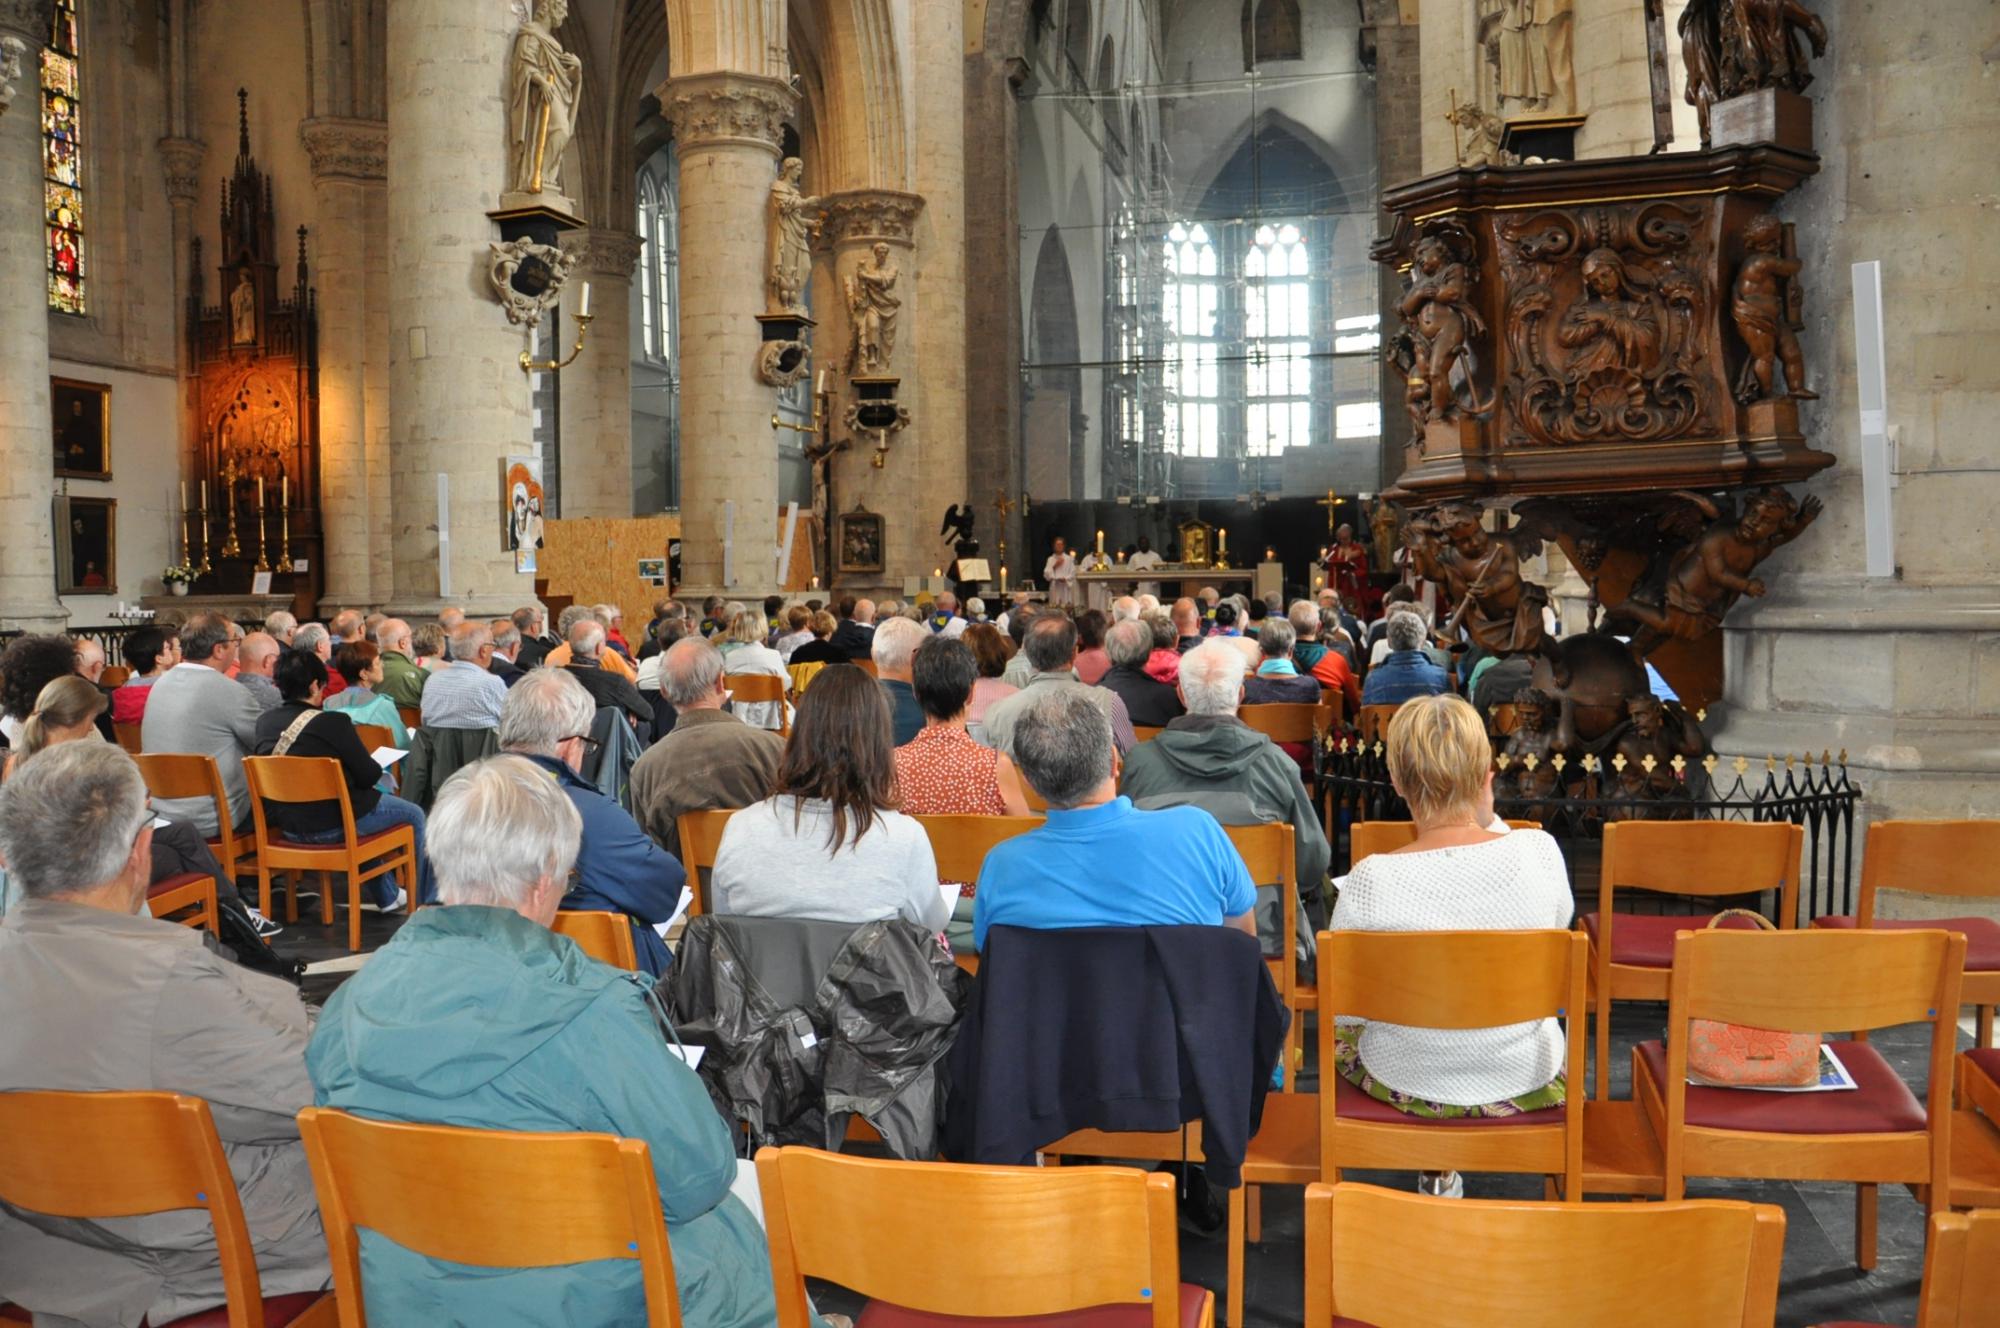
(1769, 115)
(728, 127)
(458, 401)
(27, 551)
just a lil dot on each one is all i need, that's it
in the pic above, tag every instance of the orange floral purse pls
(1724, 1055)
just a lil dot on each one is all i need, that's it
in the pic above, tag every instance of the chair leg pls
(353, 909)
(1982, 1035)
(1603, 1085)
(1253, 1206)
(264, 891)
(1236, 1256)
(1865, 1198)
(325, 880)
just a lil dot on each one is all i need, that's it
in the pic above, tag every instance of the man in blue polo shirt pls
(1100, 862)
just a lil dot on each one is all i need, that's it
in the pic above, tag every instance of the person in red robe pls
(1347, 572)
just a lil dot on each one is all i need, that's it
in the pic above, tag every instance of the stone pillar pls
(728, 127)
(458, 401)
(937, 71)
(993, 303)
(180, 161)
(349, 165)
(597, 389)
(27, 550)
(1398, 157)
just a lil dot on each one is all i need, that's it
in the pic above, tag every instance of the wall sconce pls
(530, 365)
(876, 410)
(819, 410)
(783, 356)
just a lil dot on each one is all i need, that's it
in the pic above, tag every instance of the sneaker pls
(393, 906)
(1442, 1184)
(265, 927)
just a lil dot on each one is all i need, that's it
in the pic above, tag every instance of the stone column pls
(349, 164)
(937, 73)
(27, 470)
(458, 401)
(597, 389)
(180, 161)
(993, 303)
(728, 128)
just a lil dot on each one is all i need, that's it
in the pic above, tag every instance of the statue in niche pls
(1765, 286)
(1500, 611)
(243, 311)
(1614, 326)
(1712, 570)
(872, 304)
(544, 86)
(793, 219)
(1438, 308)
(1531, 51)
(1736, 46)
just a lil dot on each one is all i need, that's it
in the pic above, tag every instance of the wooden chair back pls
(802, 676)
(188, 890)
(1330, 713)
(960, 843)
(1367, 838)
(1269, 853)
(106, 1155)
(1929, 857)
(412, 717)
(1282, 721)
(760, 688)
(435, 1190)
(701, 837)
(1961, 1270)
(867, 666)
(1372, 1255)
(1374, 721)
(378, 735)
(1704, 858)
(114, 676)
(181, 775)
(128, 737)
(974, 1241)
(1147, 732)
(604, 936)
(319, 779)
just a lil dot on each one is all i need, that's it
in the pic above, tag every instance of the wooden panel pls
(595, 560)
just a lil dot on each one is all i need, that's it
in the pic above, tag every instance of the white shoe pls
(394, 906)
(1442, 1184)
(265, 927)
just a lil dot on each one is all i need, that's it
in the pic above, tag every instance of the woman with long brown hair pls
(829, 842)
(66, 710)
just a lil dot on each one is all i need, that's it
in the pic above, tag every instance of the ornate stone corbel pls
(180, 161)
(609, 253)
(782, 363)
(343, 148)
(863, 216)
(528, 277)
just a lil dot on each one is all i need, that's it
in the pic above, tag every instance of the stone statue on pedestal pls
(544, 85)
(1736, 46)
(873, 304)
(793, 218)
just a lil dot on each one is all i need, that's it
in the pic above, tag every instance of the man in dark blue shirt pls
(1406, 672)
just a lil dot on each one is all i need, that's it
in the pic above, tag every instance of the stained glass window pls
(62, 161)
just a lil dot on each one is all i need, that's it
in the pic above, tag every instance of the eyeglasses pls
(590, 744)
(146, 818)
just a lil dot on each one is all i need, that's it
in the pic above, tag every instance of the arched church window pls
(1190, 299)
(1277, 325)
(659, 261)
(1271, 31)
(649, 204)
(62, 160)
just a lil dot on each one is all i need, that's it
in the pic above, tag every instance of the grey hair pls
(201, 634)
(1212, 678)
(507, 635)
(499, 828)
(975, 607)
(1276, 637)
(571, 616)
(309, 636)
(1062, 744)
(896, 641)
(1124, 608)
(1304, 618)
(586, 638)
(468, 639)
(1129, 642)
(279, 622)
(69, 817)
(1406, 631)
(543, 708)
(689, 671)
(748, 627)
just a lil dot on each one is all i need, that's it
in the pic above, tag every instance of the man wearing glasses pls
(546, 718)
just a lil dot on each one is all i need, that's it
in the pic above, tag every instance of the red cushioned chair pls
(1810, 982)
(1631, 953)
(1961, 1273)
(1953, 858)
(193, 891)
(942, 1245)
(361, 858)
(1979, 1083)
(102, 1155)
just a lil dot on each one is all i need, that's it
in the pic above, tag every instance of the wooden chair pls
(867, 666)
(1809, 982)
(942, 1244)
(194, 890)
(1952, 858)
(1961, 1273)
(759, 688)
(1374, 721)
(1282, 721)
(114, 676)
(412, 717)
(701, 837)
(604, 936)
(361, 857)
(1270, 854)
(802, 676)
(960, 845)
(1367, 838)
(1147, 732)
(378, 735)
(1979, 1083)
(185, 776)
(106, 1155)
(435, 1190)
(128, 737)
(1330, 713)
(1630, 954)
(1397, 1260)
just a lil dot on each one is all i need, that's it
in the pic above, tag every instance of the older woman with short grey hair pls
(1407, 671)
(502, 835)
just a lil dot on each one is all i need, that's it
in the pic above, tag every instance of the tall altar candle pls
(260, 496)
(285, 491)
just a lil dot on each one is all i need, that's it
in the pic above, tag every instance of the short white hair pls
(896, 641)
(1406, 630)
(69, 818)
(975, 607)
(541, 710)
(1148, 604)
(586, 639)
(498, 829)
(1124, 608)
(1212, 678)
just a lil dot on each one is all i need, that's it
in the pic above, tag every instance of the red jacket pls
(128, 702)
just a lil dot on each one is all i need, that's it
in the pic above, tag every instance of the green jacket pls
(477, 1017)
(402, 680)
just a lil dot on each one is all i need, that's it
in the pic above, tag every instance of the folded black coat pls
(1114, 1028)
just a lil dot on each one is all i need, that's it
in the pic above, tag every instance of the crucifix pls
(1330, 502)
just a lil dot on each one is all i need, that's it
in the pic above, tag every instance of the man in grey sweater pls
(196, 708)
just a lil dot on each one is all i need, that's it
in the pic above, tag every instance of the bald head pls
(258, 654)
(393, 634)
(864, 611)
(1187, 617)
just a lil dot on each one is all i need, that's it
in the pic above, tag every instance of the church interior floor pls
(1820, 1282)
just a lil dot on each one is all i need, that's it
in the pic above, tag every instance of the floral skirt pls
(1347, 1059)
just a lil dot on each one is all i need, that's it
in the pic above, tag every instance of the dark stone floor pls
(1820, 1280)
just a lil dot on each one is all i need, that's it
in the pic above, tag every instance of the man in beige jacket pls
(102, 997)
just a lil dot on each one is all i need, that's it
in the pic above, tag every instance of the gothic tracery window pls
(62, 161)
(1190, 297)
(1278, 328)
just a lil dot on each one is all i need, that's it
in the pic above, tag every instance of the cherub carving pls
(1708, 574)
(1438, 307)
(1544, 729)
(1500, 611)
(1762, 316)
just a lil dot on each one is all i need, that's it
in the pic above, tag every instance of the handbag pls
(1725, 1055)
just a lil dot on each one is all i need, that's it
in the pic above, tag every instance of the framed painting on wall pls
(521, 509)
(82, 428)
(860, 541)
(86, 546)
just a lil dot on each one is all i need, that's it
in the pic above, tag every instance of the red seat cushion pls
(14, 1314)
(1982, 935)
(1350, 1103)
(1646, 940)
(1194, 1300)
(278, 1311)
(163, 885)
(1880, 1103)
(1986, 1060)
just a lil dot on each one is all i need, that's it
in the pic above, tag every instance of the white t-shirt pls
(770, 865)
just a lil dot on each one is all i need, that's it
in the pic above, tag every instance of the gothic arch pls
(1272, 131)
(1272, 30)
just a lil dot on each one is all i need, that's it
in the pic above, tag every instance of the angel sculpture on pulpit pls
(1713, 569)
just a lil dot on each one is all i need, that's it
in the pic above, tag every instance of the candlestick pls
(284, 539)
(583, 308)
(1100, 544)
(184, 495)
(1003, 578)
(230, 547)
(284, 490)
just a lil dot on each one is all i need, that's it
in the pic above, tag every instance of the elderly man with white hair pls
(256, 660)
(586, 664)
(402, 680)
(1124, 609)
(465, 693)
(477, 1015)
(893, 649)
(281, 626)
(1211, 757)
(108, 999)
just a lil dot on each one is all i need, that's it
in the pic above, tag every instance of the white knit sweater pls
(1514, 883)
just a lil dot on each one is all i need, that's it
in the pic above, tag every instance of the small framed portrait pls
(86, 546)
(82, 432)
(653, 571)
(860, 541)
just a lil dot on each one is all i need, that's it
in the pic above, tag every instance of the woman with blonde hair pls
(745, 654)
(65, 711)
(1456, 875)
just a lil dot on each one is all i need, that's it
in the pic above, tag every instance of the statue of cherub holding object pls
(1438, 308)
(1707, 575)
(1761, 308)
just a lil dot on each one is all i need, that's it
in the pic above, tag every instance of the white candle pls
(583, 307)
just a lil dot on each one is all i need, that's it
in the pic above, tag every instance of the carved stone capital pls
(714, 110)
(863, 216)
(180, 160)
(605, 252)
(28, 20)
(345, 149)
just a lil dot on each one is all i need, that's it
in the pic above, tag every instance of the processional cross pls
(1330, 502)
